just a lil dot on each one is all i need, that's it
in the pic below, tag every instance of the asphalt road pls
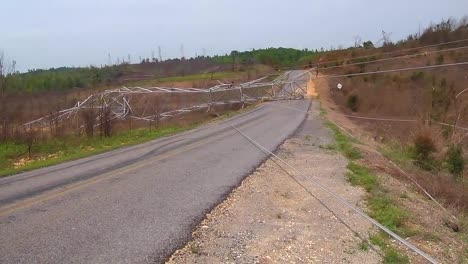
(136, 204)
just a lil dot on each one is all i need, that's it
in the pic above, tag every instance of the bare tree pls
(156, 108)
(105, 120)
(89, 119)
(159, 53)
(29, 138)
(357, 41)
(7, 69)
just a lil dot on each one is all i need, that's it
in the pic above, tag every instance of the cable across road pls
(337, 197)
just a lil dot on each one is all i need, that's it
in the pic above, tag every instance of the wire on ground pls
(392, 163)
(341, 200)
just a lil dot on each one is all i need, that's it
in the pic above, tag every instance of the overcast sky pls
(53, 33)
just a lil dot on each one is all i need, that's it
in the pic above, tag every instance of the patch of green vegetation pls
(379, 239)
(455, 160)
(360, 175)
(323, 111)
(364, 246)
(344, 144)
(51, 152)
(400, 153)
(381, 207)
(391, 254)
(385, 211)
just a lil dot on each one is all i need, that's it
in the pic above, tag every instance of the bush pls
(440, 59)
(417, 76)
(455, 161)
(353, 102)
(424, 146)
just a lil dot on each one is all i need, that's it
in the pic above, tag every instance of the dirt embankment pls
(272, 219)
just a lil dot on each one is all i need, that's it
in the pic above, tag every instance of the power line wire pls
(393, 58)
(382, 53)
(381, 119)
(395, 70)
(401, 50)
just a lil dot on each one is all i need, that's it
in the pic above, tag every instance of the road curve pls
(136, 204)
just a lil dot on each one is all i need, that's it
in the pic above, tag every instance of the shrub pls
(417, 76)
(443, 82)
(353, 102)
(455, 161)
(424, 146)
(440, 59)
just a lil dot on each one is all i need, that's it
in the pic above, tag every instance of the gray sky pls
(52, 33)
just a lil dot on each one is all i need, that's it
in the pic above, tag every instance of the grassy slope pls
(222, 75)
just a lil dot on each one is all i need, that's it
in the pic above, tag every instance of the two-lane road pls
(136, 204)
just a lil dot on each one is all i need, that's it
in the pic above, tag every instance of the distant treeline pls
(275, 57)
(62, 78)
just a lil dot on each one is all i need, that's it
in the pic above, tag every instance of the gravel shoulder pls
(270, 218)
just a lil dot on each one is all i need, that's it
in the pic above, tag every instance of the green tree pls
(368, 44)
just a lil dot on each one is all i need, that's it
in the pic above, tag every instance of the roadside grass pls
(360, 175)
(323, 111)
(380, 205)
(344, 144)
(51, 152)
(391, 255)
